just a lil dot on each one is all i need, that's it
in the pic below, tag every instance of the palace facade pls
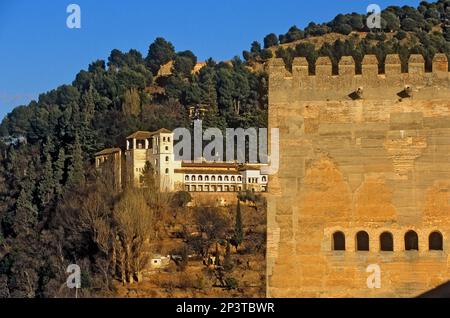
(157, 149)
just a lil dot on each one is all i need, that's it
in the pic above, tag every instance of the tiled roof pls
(108, 151)
(148, 134)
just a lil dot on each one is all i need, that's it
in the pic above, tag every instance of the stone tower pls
(364, 178)
(155, 148)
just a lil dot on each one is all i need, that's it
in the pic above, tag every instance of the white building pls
(157, 148)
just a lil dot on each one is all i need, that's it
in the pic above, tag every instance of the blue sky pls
(38, 52)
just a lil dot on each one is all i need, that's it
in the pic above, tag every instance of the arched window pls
(227, 179)
(239, 179)
(220, 178)
(386, 242)
(233, 179)
(338, 241)
(186, 178)
(200, 178)
(167, 159)
(264, 179)
(213, 178)
(193, 178)
(206, 178)
(167, 171)
(362, 241)
(411, 241)
(436, 242)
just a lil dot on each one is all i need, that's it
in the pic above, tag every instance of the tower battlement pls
(363, 157)
(370, 84)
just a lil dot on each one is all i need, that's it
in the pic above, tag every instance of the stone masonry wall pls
(375, 162)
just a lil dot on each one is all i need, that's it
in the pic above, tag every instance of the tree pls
(294, 34)
(266, 54)
(134, 221)
(188, 54)
(59, 169)
(25, 260)
(255, 48)
(46, 187)
(238, 236)
(213, 226)
(344, 29)
(356, 22)
(159, 53)
(183, 66)
(391, 21)
(76, 167)
(181, 199)
(131, 105)
(270, 40)
(409, 24)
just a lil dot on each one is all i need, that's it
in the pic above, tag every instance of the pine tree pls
(76, 169)
(46, 182)
(59, 168)
(26, 213)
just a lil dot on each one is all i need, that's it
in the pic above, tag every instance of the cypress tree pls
(76, 169)
(46, 182)
(59, 167)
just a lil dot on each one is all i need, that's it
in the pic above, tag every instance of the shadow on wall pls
(442, 291)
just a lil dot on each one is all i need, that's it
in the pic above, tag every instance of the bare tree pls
(134, 222)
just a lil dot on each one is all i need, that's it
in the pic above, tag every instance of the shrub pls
(181, 199)
(401, 35)
(231, 283)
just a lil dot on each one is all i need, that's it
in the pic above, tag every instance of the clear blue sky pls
(38, 52)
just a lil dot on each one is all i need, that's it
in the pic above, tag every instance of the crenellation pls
(323, 67)
(416, 65)
(370, 67)
(416, 83)
(300, 68)
(440, 66)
